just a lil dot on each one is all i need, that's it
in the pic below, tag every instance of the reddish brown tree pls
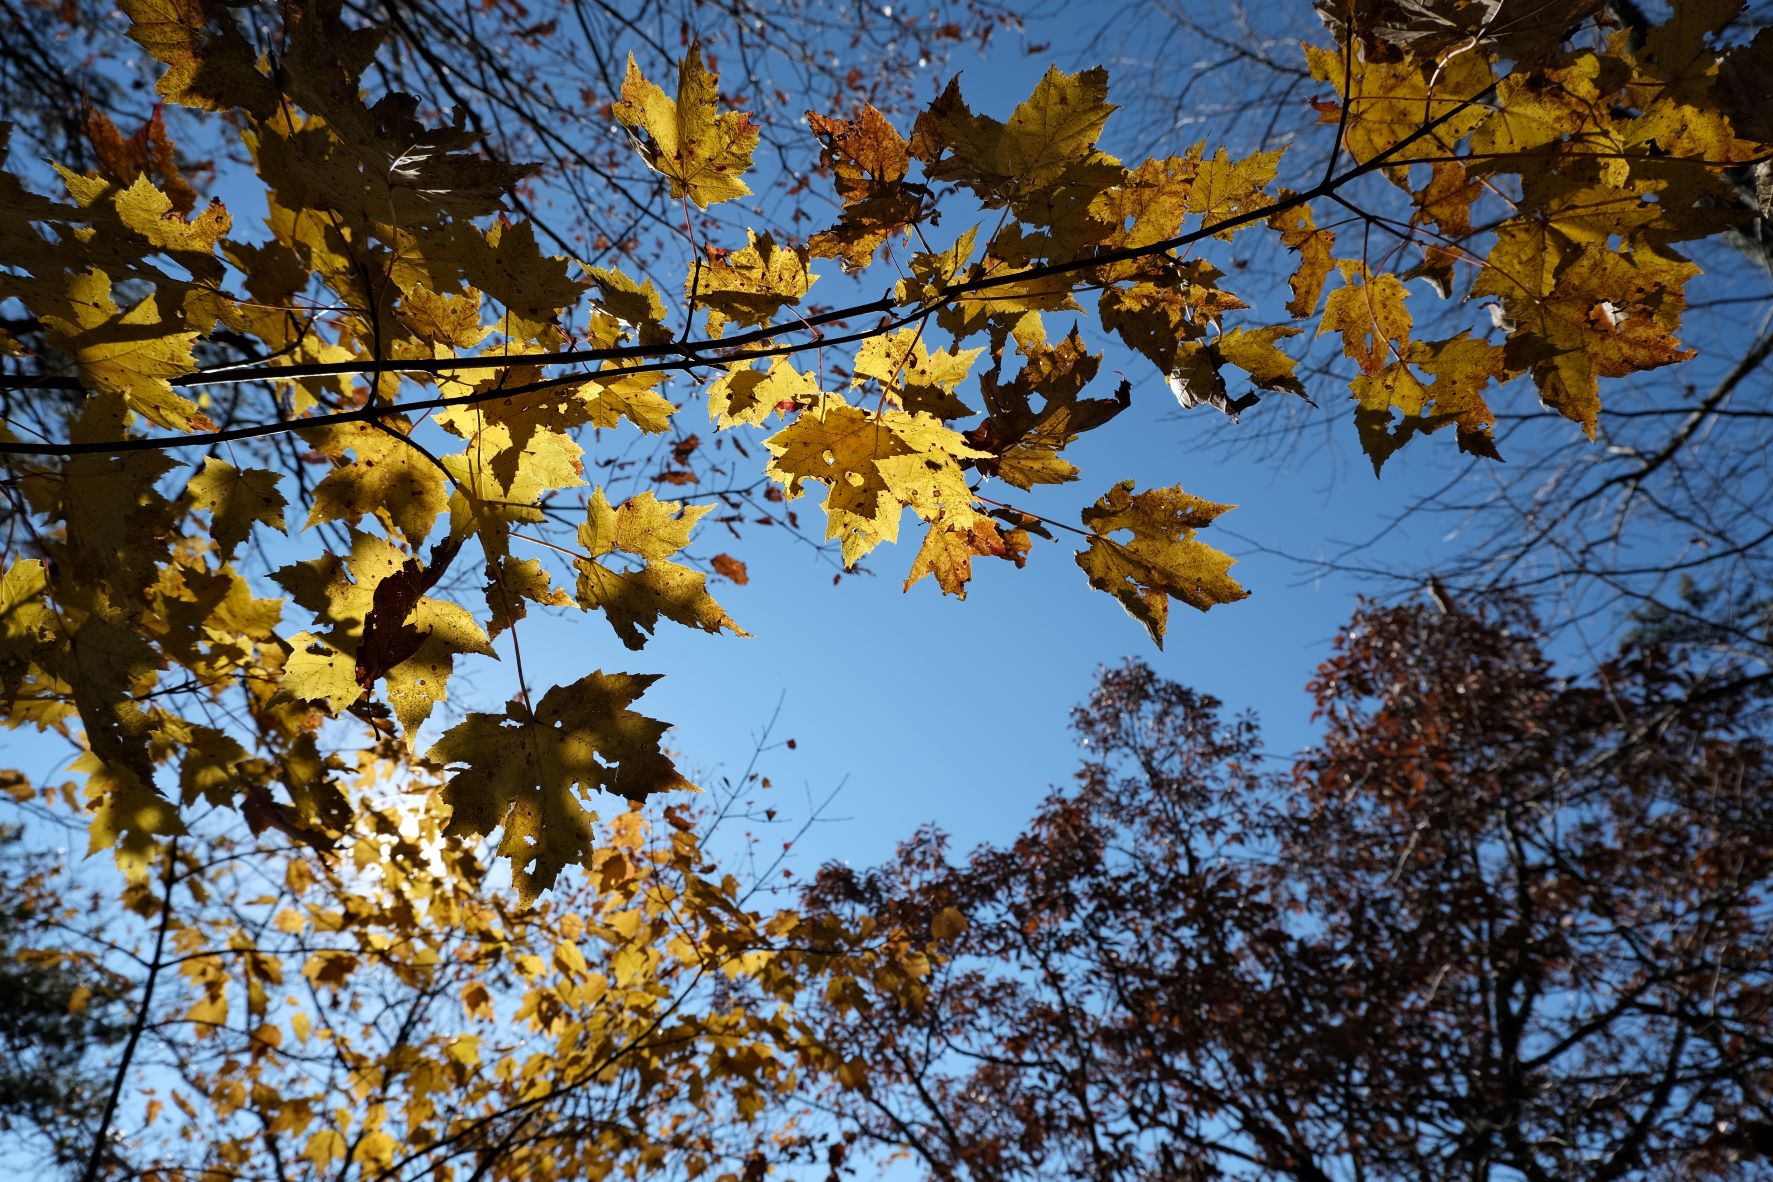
(1499, 923)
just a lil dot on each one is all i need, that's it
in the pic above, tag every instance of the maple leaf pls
(701, 150)
(1150, 200)
(507, 265)
(653, 531)
(1223, 187)
(412, 640)
(1162, 561)
(130, 353)
(948, 553)
(315, 671)
(631, 301)
(513, 582)
(874, 467)
(127, 814)
(750, 285)
(443, 318)
(1300, 232)
(1153, 315)
(527, 771)
(386, 478)
(632, 397)
(498, 481)
(920, 381)
(235, 500)
(1053, 130)
(151, 213)
(1585, 312)
(868, 159)
(1429, 28)
(29, 633)
(1388, 100)
(211, 66)
(382, 626)
(1025, 443)
(1197, 377)
(150, 149)
(728, 567)
(1368, 310)
(745, 394)
(1462, 368)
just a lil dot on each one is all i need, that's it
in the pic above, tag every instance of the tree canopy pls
(1499, 922)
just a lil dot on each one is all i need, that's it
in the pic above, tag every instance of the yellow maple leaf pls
(511, 584)
(1368, 310)
(379, 626)
(210, 64)
(128, 815)
(499, 481)
(701, 150)
(507, 265)
(526, 771)
(1162, 561)
(149, 212)
(1389, 99)
(1300, 232)
(948, 553)
(235, 500)
(386, 478)
(633, 599)
(129, 353)
(750, 285)
(920, 381)
(317, 672)
(443, 318)
(1224, 187)
(874, 466)
(1053, 130)
(745, 394)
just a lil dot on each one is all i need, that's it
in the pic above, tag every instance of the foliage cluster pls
(437, 364)
(1498, 923)
(414, 362)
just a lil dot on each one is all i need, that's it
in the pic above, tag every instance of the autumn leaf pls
(750, 285)
(512, 584)
(919, 381)
(1162, 560)
(948, 554)
(868, 159)
(1299, 232)
(386, 477)
(874, 467)
(701, 150)
(235, 501)
(745, 394)
(1369, 312)
(506, 264)
(728, 567)
(211, 66)
(132, 353)
(1053, 130)
(634, 598)
(529, 772)
(127, 815)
